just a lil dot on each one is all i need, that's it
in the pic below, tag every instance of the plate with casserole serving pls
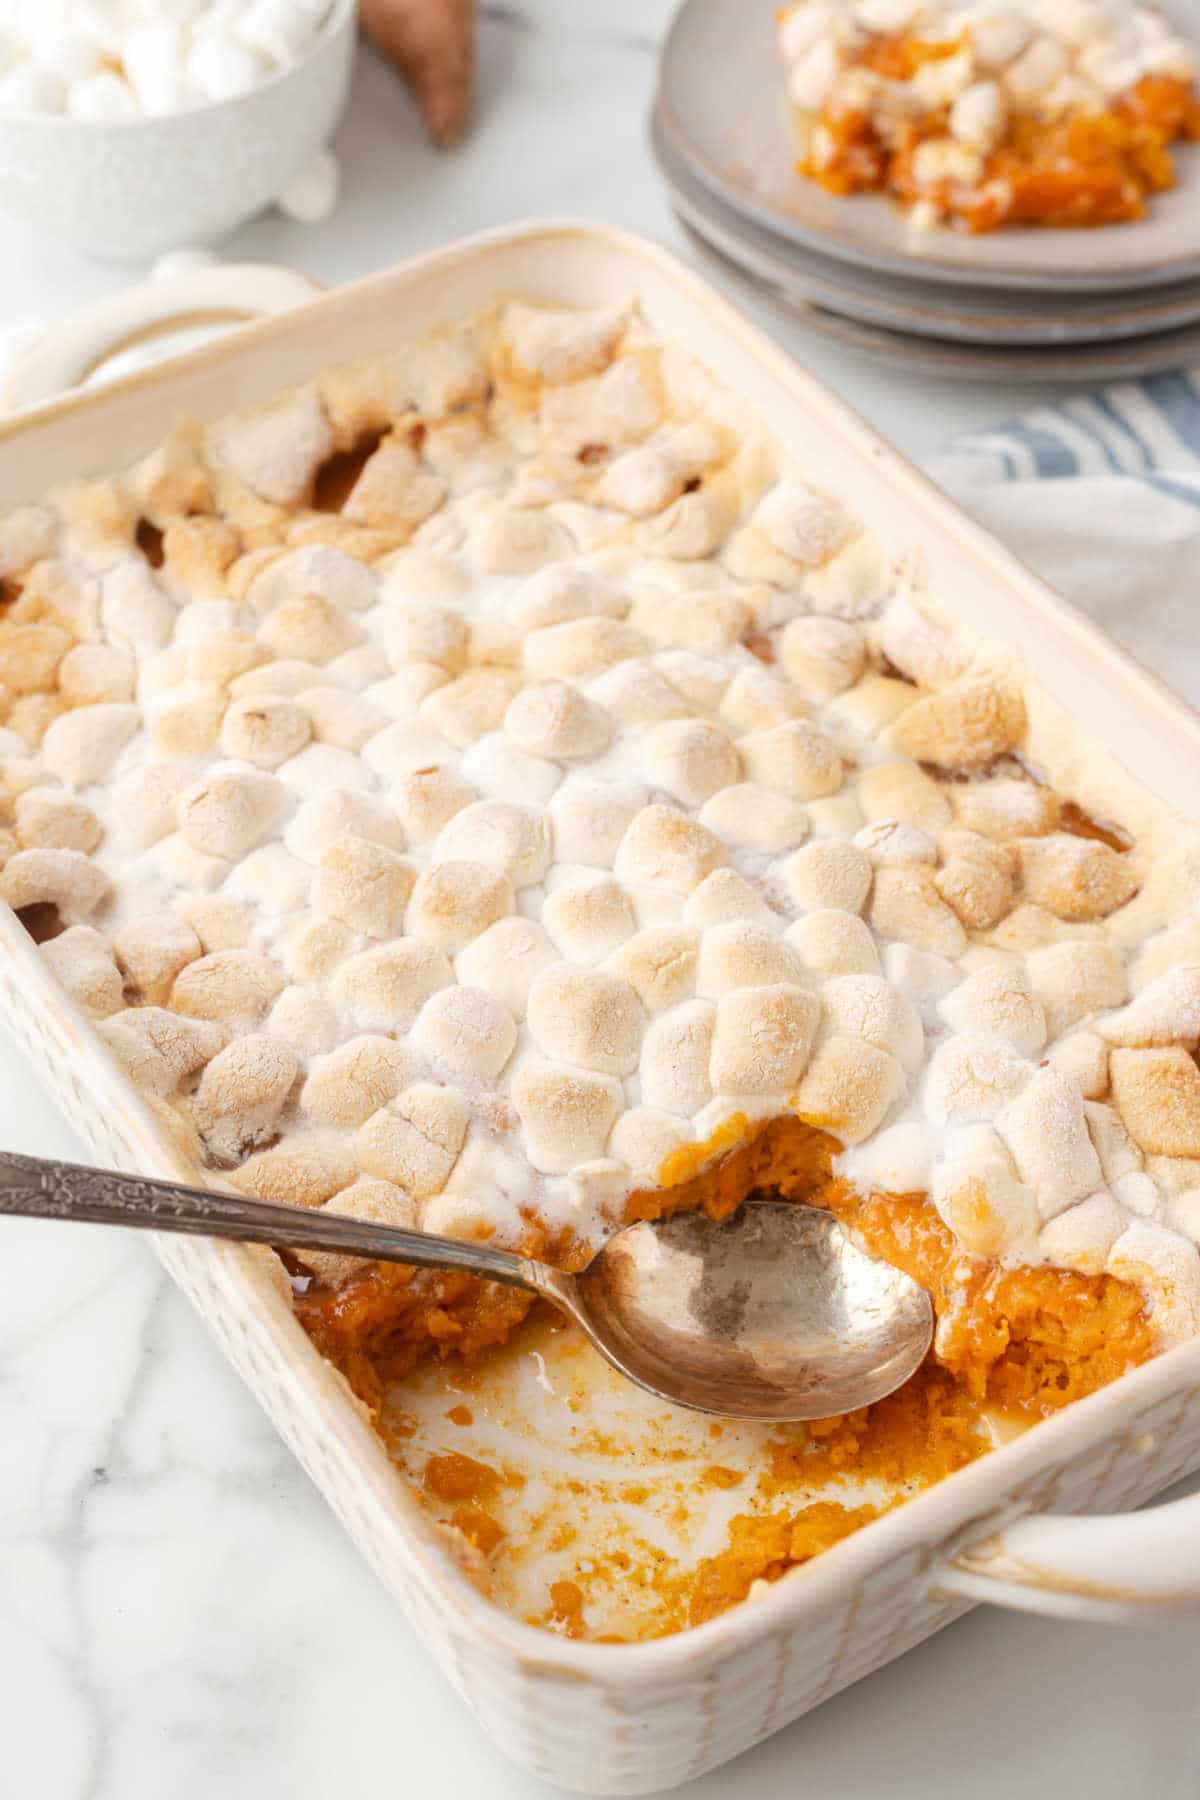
(1005, 145)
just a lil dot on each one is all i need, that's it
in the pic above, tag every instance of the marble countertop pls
(180, 1616)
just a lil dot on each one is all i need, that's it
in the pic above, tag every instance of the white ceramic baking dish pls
(634, 1718)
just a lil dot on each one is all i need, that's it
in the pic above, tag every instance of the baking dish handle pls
(75, 347)
(1111, 1568)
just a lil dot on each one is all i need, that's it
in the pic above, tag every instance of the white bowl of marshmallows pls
(131, 127)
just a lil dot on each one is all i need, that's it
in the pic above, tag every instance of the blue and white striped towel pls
(1101, 495)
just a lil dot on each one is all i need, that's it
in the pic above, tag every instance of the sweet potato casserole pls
(985, 114)
(489, 789)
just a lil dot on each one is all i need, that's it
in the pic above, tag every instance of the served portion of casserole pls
(491, 789)
(987, 114)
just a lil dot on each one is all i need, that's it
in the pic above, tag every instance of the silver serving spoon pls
(772, 1314)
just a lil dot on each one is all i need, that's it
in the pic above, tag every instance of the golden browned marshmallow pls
(562, 346)
(242, 1093)
(312, 949)
(65, 879)
(744, 954)
(660, 965)
(566, 1114)
(467, 1031)
(142, 805)
(831, 942)
(722, 896)
(906, 904)
(1083, 1236)
(756, 698)
(1004, 809)
(829, 874)
(689, 759)
(464, 709)
(590, 921)
(49, 819)
(1166, 1011)
(151, 952)
(822, 656)
(355, 1080)
(416, 1139)
(1046, 1131)
(309, 629)
(1083, 1058)
(265, 732)
(364, 884)
(888, 841)
(453, 902)
(922, 644)
(82, 746)
(310, 569)
(797, 759)
(223, 658)
(196, 554)
(371, 1202)
(1167, 1267)
(665, 848)
(234, 987)
(564, 592)
(282, 678)
(425, 799)
(849, 1087)
(93, 674)
(644, 1140)
(590, 817)
(580, 649)
(762, 1039)
(1076, 878)
(971, 1078)
(901, 791)
(157, 1049)
(505, 959)
(969, 723)
(190, 728)
(977, 878)
(228, 811)
(277, 449)
(753, 817)
(1074, 980)
(804, 526)
(395, 491)
(385, 986)
(637, 693)
(337, 812)
(998, 1000)
(1157, 1093)
(590, 1017)
(977, 1193)
(83, 963)
(30, 656)
(305, 1018)
(676, 1053)
(709, 623)
(348, 720)
(516, 540)
(868, 1007)
(302, 1171)
(640, 482)
(512, 838)
(551, 719)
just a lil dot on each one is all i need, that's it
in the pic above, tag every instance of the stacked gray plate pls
(1093, 305)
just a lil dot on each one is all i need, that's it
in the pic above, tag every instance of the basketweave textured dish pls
(637, 1718)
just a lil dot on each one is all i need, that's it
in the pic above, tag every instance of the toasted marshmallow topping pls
(458, 858)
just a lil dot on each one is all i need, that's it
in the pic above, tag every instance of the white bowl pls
(129, 190)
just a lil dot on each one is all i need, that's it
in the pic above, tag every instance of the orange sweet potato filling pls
(1087, 169)
(1021, 1341)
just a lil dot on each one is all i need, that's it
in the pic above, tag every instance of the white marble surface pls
(180, 1618)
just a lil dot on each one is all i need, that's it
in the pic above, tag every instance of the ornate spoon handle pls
(34, 1188)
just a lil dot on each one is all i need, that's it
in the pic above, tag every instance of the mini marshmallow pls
(831, 942)
(1046, 1130)
(797, 759)
(588, 922)
(515, 839)
(242, 1093)
(590, 1017)
(973, 1078)
(505, 959)
(566, 1114)
(722, 896)
(999, 1002)
(976, 1190)
(466, 1031)
(762, 1038)
(386, 985)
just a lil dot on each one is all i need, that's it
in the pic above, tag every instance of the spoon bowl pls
(771, 1314)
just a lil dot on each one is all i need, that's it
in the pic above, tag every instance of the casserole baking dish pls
(630, 1719)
